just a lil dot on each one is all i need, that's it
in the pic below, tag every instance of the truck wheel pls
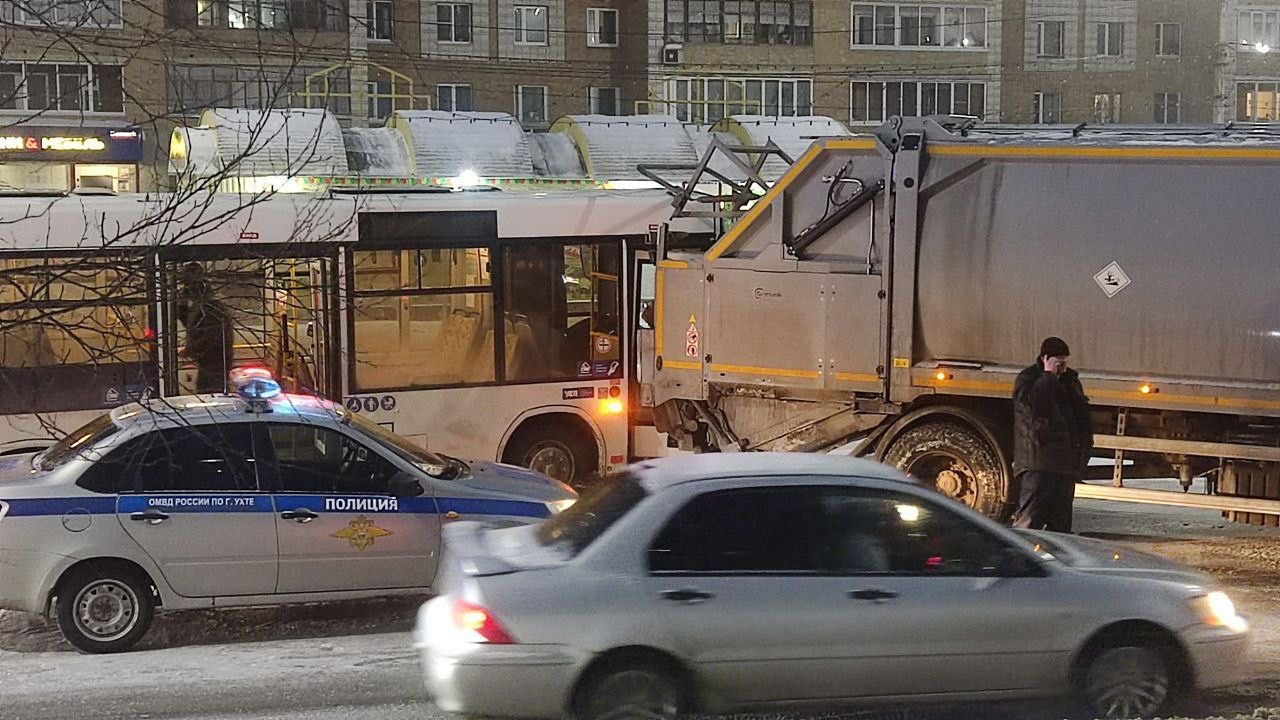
(561, 449)
(956, 460)
(104, 608)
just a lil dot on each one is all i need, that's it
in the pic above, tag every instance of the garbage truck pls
(883, 294)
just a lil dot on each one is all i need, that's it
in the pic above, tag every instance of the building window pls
(453, 23)
(42, 87)
(1168, 39)
(193, 88)
(875, 101)
(1111, 39)
(605, 101)
(1257, 101)
(1046, 108)
(940, 26)
(708, 99)
(531, 24)
(751, 22)
(381, 20)
(1106, 108)
(531, 104)
(323, 15)
(74, 13)
(453, 97)
(1168, 108)
(1049, 38)
(380, 100)
(1260, 27)
(602, 27)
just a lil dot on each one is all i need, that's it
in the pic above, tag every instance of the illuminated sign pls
(55, 144)
(52, 143)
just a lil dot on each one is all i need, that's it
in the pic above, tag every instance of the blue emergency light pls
(258, 391)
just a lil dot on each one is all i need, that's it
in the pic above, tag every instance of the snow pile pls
(444, 144)
(292, 142)
(377, 152)
(612, 147)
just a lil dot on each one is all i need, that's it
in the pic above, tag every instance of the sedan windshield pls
(75, 443)
(429, 462)
(580, 525)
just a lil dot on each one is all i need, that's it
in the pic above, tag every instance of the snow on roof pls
(793, 135)
(611, 147)
(379, 152)
(285, 142)
(443, 144)
(555, 156)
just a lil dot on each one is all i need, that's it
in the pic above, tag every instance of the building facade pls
(78, 76)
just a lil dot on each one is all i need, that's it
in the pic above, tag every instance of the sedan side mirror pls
(1014, 564)
(405, 485)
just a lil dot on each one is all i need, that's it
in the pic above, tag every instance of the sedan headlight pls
(558, 506)
(1216, 609)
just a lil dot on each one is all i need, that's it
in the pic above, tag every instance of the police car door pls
(190, 499)
(340, 529)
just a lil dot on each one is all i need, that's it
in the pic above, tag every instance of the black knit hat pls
(1054, 347)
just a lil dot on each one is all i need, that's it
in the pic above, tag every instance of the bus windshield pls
(75, 442)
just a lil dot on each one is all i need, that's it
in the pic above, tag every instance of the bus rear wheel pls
(561, 448)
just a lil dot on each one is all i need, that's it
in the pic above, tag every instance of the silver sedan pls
(719, 583)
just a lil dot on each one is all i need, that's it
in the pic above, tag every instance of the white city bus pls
(492, 325)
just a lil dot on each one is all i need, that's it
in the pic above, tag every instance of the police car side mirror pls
(405, 485)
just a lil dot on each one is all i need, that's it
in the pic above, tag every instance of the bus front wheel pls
(561, 447)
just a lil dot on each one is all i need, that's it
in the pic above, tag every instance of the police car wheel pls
(104, 608)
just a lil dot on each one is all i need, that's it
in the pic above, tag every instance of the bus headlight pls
(558, 506)
(1216, 609)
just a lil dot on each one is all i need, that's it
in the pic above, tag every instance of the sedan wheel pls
(640, 693)
(1127, 682)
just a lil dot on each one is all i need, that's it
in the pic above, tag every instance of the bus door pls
(266, 306)
(646, 442)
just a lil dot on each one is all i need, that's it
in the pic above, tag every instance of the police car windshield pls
(75, 443)
(395, 443)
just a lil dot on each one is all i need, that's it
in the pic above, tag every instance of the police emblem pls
(361, 533)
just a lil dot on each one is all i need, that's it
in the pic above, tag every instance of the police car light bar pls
(241, 375)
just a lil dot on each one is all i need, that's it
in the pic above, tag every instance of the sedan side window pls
(313, 459)
(190, 458)
(753, 530)
(889, 533)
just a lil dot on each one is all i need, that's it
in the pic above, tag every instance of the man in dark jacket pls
(1053, 439)
(209, 332)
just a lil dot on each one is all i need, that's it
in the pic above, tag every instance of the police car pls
(234, 500)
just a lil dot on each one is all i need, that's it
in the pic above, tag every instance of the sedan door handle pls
(302, 515)
(687, 596)
(872, 595)
(151, 516)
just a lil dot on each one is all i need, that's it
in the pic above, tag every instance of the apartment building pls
(860, 62)
(91, 89)
(143, 67)
(1247, 62)
(1110, 61)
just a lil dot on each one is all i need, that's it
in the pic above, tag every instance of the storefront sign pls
(30, 143)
